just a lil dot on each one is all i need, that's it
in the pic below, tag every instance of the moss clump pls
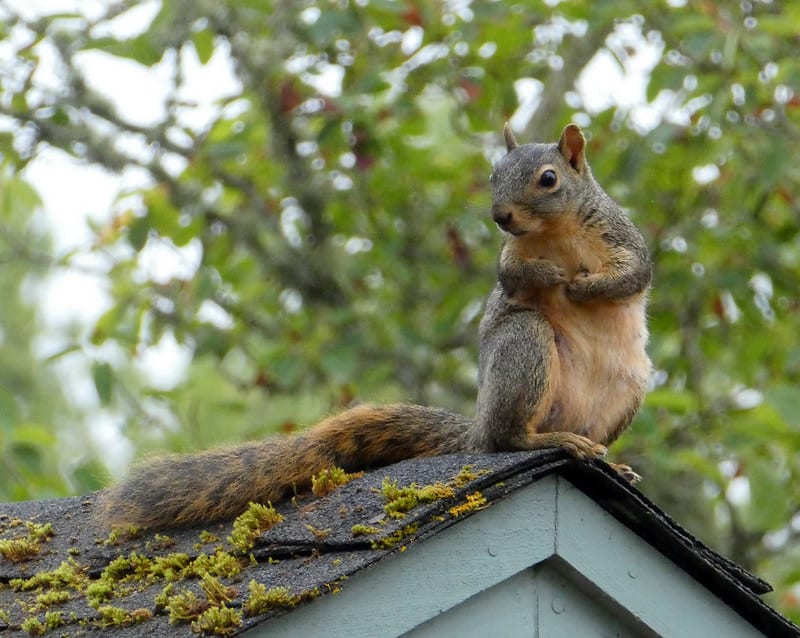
(328, 480)
(20, 549)
(218, 621)
(401, 500)
(163, 597)
(216, 592)
(185, 607)
(39, 532)
(220, 564)
(467, 474)
(69, 574)
(394, 539)
(261, 600)
(121, 534)
(207, 537)
(110, 616)
(363, 530)
(474, 501)
(53, 597)
(256, 520)
(99, 592)
(172, 567)
(33, 626)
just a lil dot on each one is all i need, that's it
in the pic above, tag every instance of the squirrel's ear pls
(508, 134)
(571, 146)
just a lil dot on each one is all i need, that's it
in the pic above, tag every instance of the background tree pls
(332, 210)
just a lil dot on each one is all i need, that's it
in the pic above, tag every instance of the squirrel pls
(562, 359)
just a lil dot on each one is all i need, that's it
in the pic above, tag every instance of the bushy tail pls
(219, 483)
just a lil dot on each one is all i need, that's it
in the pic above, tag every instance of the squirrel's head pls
(534, 182)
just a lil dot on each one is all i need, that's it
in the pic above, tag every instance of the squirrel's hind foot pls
(626, 472)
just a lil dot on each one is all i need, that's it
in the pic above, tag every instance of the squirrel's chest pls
(601, 367)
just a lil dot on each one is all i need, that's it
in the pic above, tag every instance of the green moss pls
(261, 600)
(218, 621)
(172, 567)
(328, 480)
(185, 607)
(18, 550)
(207, 537)
(22, 548)
(160, 541)
(363, 530)
(99, 592)
(401, 500)
(221, 564)
(121, 534)
(39, 532)
(33, 626)
(256, 520)
(54, 619)
(52, 597)
(394, 539)
(163, 597)
(216, 592)
(110, 616)
(69, 574)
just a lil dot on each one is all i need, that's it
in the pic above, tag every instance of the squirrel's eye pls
(548, 179)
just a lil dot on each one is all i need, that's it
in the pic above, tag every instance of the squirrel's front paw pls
(582, 447)
(546, 274)
(583, 287)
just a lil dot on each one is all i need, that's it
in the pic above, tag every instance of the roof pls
(315, 549)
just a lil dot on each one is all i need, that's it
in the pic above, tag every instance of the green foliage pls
(344, 247)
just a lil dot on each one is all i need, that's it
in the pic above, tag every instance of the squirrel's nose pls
(501, 216)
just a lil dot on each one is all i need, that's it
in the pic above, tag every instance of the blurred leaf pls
(204, 45)
(103, 381)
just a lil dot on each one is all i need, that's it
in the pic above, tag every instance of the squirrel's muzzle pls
(502, 216)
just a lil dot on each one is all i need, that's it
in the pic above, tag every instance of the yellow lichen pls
(473, 502)
(363, 530)
(467, 474)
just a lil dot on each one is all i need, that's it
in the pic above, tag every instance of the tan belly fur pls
(602, 368)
